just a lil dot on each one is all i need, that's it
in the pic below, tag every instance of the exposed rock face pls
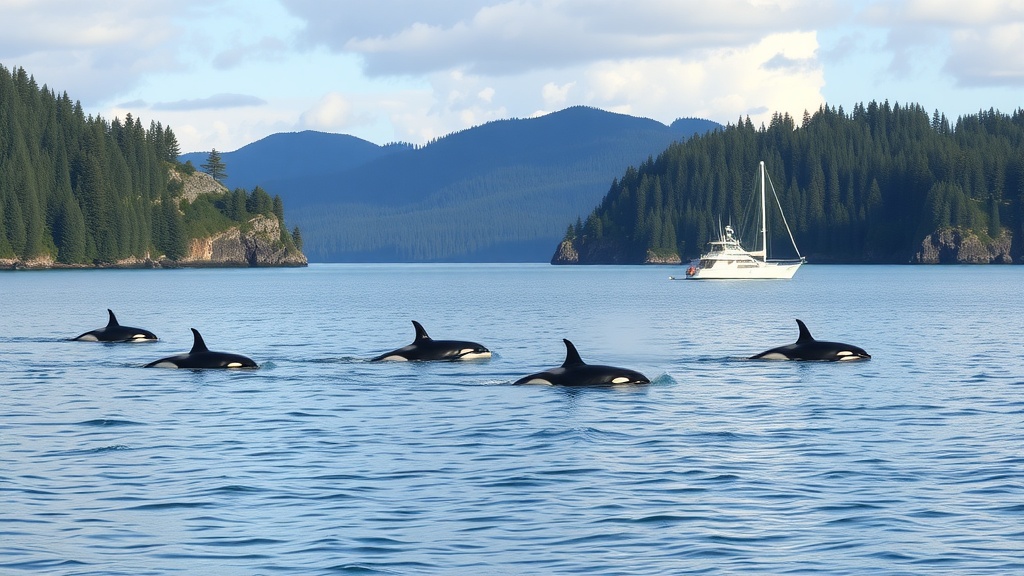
(47, 262)
(956, 246)
(592, 252)
(605, 252)
(653, 258)
(259, 246)
(197, 183)
(565, 254)
(33, 264)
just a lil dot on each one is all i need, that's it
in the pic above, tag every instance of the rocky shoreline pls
(957, 246)
(258, 247)
(944, 246)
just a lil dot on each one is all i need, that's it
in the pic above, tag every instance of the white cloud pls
(517, 36)
(485, 60)
(91, 50)
(779, 73)
(978, 44)
(332, 113)
(989, 56)
(215, 102)
(265, 49)
(955, 14)
(722, 86)
(555, 95)
(410, 70)
(223, 129)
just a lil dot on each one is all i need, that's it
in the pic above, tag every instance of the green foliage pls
(203, 218)
(210, 214)
(236, 209)
(259, 202)
(70, 232)
(74, 188)
(864, 186)
(82, 190)
(170, 238)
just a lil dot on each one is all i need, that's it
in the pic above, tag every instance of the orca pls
(424, 348)
(807, 348)
(202, 357)
(574, 372)
(114, 332)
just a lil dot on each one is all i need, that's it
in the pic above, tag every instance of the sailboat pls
(726, 258)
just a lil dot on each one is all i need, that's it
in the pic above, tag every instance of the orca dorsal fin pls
(198, 345)
(421, 334)
(112, 321)
(572, 357)
(805, 334)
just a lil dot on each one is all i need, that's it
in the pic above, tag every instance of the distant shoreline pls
(19, 265)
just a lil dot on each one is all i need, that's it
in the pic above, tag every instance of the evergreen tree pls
(70, 233)
(174, 243)
(995, 226)
(278, 208)
(14, 224)
(214, 166)
(237, 209)
(259, 202)
(170, 146)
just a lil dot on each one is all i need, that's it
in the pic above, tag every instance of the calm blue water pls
(321, 462)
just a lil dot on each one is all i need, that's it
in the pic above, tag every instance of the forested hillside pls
(76, 189)
(497, 192)
(871, 185)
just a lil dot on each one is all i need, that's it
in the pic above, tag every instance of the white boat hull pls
(762, 271)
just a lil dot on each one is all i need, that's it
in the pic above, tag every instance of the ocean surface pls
(321, 462)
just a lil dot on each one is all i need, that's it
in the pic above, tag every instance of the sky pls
(225, 73)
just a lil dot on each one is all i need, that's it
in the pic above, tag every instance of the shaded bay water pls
(323, 462)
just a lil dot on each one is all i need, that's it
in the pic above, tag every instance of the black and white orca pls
(425, 348)
(202, 357)
(574, 372)
(807, 348)
(114, 332)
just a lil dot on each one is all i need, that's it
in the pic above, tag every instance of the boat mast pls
(764, 218)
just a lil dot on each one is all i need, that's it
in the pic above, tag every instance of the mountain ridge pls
(501, 191)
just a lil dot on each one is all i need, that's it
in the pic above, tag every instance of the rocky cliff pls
(662, 258)
(957, 246)
(197, 183)
(594, 252)
(565, 254)
(259, 245)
